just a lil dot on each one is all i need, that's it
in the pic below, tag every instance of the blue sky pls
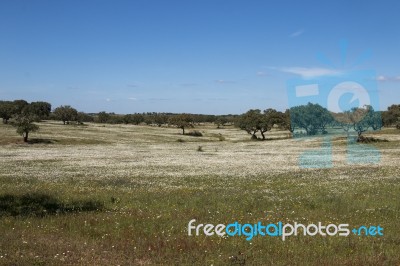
(205, 56)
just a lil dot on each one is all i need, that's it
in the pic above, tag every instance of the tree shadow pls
(40, 204)
(41, 141)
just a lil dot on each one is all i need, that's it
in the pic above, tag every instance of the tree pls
(391, 116)
(19, 106)
(254, 121)
(311, 117)
(24, 124)
(182, 121)
(269, 119)
(374, 118)
(66, 113)
(40, 109)
(250, 122)
(344, 120)
(358, 118)
(103, 117)
(127, 119)
(221, 121)
(82, 117)
(137, 119)
(161, 119)
(7, 109)
(285, 122)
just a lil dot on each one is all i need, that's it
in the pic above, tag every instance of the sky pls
(204, 56)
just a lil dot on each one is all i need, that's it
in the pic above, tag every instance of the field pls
(123, 195)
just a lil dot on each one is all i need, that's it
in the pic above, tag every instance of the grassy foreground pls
(123, 195)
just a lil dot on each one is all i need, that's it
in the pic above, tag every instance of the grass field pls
(123, 195)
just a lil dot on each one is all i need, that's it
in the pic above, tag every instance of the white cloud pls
(297, 33)
(312, 72)
(132, 98)
(261, 74)
(387, 78)
(381, 78)
(222, 81)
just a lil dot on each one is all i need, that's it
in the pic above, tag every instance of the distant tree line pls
(311, 119)
(23, 116)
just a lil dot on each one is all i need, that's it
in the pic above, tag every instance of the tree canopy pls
(66, 113)
(254, 121)
(182, 121)
(313, 118)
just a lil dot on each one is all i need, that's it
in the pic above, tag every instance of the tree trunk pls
(183, 130)
(26, 137)
(262, 134)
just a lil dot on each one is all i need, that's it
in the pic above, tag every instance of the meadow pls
(123, 195)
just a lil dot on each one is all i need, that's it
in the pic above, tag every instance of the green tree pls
(66, 113)
(103, 117)
(250, 122)
(182, 121)
(40, 109)
(344, 120)
(221, 121)
(137, 119)
(254, 121)
(7, 109)
(270, 118)
(391, 116)
(25, 125)
(359, 120)
(285, 122)
(161, 119)
(127, 119)
(374, 118)
(19, 106)
(311, 117)
(83, 117)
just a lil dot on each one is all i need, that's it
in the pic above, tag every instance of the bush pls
(195, 133)
(200, 148)
(180, 140)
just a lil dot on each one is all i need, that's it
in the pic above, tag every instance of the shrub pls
(180, 140)
(200, 148)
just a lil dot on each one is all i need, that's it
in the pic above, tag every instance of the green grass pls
(139, 213)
